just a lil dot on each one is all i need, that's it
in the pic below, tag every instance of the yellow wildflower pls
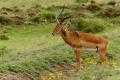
(59, 75)
(42, 78)
(51, 76)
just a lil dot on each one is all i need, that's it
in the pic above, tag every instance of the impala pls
(81, 40)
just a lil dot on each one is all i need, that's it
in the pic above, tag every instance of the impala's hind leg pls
(103, 57)
(103, 53)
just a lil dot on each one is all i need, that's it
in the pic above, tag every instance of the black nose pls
(53, 34)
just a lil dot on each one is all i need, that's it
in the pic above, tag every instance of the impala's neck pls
(64, 32)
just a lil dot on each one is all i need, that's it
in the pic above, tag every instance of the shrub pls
(47, 17)
(89, 25)
(3, 20)
(32, 11)
(3, 50)
(110, 12)
(16, 20)
(3, 37)
(93, 7)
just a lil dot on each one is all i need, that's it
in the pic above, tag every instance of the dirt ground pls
(15, 76)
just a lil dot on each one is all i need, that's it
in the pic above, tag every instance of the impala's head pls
(58, 28)
(61, 22)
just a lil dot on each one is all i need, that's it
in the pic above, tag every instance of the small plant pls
(3, 37)
(3, 20)
(48, 17)
(3, 50)
(110, 12)
(94, 7)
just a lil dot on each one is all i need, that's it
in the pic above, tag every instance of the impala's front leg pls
(78, 58)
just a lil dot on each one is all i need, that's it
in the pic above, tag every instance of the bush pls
(32, 11)
(94, 7)
(3, 50)
(89, 25)
(3, 20)
(11, 20)
(110, 12)
(47, 17)
(3, 37)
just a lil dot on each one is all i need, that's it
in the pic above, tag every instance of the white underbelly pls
(90, 49)
(88, 45)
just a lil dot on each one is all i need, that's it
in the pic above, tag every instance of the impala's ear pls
(66, 27)
(66, 24)
(77, 33)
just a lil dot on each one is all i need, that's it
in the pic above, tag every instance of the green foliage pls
(4, 37)
(89, 25)
(94, 7)
(3, 20)
(110, 12)
(115, 20)
(47, 17)
(3, 51)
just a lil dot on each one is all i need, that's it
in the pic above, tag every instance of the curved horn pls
(57, 19)
(61, 12)
(67, 17)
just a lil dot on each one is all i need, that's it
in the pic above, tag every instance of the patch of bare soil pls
(63, 72)
(57, 73)
(6, 9)
(112, 12)
(16, 20)
(15, 76)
